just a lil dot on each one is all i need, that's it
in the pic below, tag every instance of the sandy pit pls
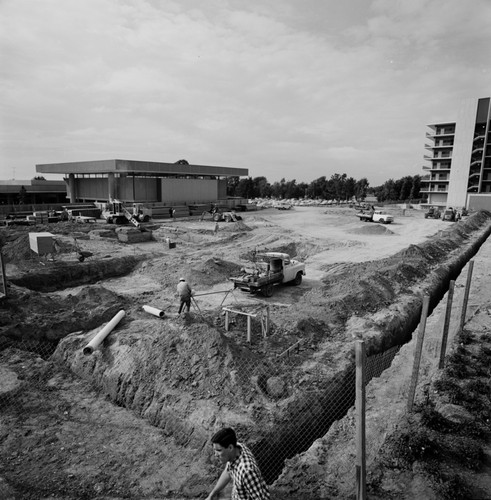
(133, 420)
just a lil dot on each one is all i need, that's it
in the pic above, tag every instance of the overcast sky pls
(292, 89)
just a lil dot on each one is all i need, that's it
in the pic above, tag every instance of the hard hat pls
(182, 279)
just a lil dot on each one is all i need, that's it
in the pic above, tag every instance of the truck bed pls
(254, 282)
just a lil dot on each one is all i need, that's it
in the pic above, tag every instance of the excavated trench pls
(314, 413)
(75, 274)
(311, 415)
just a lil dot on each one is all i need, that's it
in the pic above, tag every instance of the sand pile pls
(372, 230)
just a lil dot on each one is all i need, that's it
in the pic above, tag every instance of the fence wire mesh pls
(175, 391)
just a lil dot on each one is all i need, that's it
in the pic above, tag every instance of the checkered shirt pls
(248, 484)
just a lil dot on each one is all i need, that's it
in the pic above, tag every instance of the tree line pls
(337, 187)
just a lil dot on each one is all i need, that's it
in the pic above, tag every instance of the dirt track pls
(328, 240)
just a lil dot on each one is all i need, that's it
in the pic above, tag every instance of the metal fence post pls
(360, 421)
(466, 296)
(446, 324)
(417, 353)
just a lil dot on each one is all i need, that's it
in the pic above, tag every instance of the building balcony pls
(434, 137)
(434, 168)
(436, 158)
(479, 149)
(432, 189)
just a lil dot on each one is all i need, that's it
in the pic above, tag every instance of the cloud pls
(302, 92)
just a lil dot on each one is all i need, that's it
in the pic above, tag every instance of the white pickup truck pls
(375, 216)
(271, 268)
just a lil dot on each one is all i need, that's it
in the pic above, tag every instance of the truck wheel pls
(298, 279)
(216, 217)
(268, 290)
(382, 221)
(146, 218)
(228, 218)
(109, 220)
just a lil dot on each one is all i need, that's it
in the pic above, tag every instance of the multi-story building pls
(459, 159)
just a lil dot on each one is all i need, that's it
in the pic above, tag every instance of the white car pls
(375, 216)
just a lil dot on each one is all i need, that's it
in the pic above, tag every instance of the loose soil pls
(133, 420)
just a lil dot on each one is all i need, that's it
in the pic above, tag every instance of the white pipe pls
(97, 340)
(154, 311)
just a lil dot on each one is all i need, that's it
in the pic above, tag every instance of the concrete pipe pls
(154, 311)
(98, 339)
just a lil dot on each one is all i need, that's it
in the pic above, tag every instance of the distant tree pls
(350, 185)
(291, 189)
(278, 189)
(415, 194)
(38, 178)
(406, 184)
(232, 183)
(338, 186)
(317, 188)
(181, 162)
(245, 188)
(361, 188)
(262, 187)
(301, 190)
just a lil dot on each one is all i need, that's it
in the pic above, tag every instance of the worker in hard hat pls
(185, 292)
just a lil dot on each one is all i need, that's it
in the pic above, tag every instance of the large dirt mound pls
(372, 229)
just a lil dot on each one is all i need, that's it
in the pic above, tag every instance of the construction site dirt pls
(133, 419)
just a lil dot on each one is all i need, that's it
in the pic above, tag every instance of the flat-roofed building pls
(24, 192)
(134, 181)
(459, 159)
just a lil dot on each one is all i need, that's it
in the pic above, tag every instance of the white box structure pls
(41, 243)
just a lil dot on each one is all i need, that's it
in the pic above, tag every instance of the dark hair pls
(225, 437)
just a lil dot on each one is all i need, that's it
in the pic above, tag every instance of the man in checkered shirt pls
(240, 466)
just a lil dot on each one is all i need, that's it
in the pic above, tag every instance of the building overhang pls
(134, 167)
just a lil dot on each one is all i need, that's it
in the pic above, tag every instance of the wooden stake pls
(448, 314)
(417, 353)
(466, 296)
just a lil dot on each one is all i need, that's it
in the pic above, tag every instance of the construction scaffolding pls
(261, 312)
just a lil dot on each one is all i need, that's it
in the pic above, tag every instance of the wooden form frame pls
(262, 313)
(288, 351)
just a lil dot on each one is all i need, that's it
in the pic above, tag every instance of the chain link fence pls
(130, 400)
